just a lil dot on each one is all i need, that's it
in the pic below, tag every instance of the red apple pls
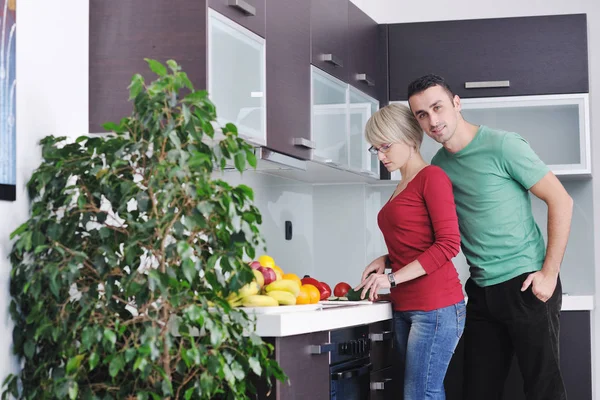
(268, 273)
(255, 265)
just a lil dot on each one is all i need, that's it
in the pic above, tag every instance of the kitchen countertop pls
(296, 323)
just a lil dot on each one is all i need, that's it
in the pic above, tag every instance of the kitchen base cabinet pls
(308, 373)
(575, 361)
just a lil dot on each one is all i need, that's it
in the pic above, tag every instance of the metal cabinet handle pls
(303, 142)
(332, 59)
(380, 385)
(380, 337)
(366, 79)
(353, 373)
(243, 6)
(487, 84)
(322, 348)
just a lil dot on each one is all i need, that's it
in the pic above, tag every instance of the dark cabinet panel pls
(382, 344)
(329, 36)
(537, 55)
(308, 374)
(575, 362)
(248, 13)
(288, 76)
(123, 33)
(382, 387)
(363, 35)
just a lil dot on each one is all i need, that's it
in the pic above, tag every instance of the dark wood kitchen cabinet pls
(520, 56)
(288, 77)
(250, 14)
(308, 373)
(363, 36)
(329, 36)
(123, 33)
(575, 362)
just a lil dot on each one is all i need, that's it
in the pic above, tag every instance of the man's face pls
(436, 112)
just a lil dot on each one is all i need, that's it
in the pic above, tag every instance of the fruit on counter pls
(278, 270)
(313, 292)
(285, 285)
(303, 297)
(259, 278)
(307, 280)
(324, 290)
(283, 298)
(268, 274)
(292, 277)
(341, 289)
(254, 264)
(266, 261)
(259, 300)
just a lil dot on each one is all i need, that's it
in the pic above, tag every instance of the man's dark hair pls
(425, 82)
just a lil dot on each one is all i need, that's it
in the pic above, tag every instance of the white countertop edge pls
(577, 303)
(297, 323)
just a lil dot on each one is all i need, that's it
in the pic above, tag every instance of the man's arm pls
(560, 210)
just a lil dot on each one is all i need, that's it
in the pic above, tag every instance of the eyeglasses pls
(374, 150)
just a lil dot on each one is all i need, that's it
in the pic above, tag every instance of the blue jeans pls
(426, 341)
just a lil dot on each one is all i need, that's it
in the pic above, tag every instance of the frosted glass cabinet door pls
(555, 126)
(360, 109)
(236, 77)
(329, 118)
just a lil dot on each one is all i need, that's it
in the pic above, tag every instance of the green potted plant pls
(130, 239)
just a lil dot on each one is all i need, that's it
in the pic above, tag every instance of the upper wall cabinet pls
(250, 14)
(123, 33)
(288, 77)
(363, 60)
(493, 57)
(329, 36)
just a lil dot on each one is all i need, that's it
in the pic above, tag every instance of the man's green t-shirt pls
(491, 177)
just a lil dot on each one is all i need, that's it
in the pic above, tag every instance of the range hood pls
(269, 160)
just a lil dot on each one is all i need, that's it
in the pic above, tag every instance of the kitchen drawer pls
(382, 344)
(248, 13)
(534, 55)
(383, 385)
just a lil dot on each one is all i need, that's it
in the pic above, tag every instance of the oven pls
(349, 363)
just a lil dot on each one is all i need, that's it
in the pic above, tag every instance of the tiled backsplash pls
(335, 232)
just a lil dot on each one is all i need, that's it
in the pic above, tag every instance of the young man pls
(514, 292)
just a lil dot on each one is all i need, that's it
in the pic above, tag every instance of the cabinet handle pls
(380, 337)
(331, 162)
(303, 142)
(487, 84)
(321, 348)
(366, 79)
(332, 59)
(380, 385)
(353, 373)
(243, 6)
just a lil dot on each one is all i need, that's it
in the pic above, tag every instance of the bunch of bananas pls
(256, 294)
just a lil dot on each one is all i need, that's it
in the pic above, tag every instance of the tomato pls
(341, 289)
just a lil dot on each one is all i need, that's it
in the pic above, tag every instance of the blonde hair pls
(392, 124)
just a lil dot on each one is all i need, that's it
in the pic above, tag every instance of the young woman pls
(420, 229)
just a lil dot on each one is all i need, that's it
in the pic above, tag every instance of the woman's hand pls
(377, 266)
(374, 282)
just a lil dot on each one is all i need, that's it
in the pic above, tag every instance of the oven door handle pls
(352, 373)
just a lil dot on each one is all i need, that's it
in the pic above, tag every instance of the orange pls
(314, 293)
(266, 261)
(304, 296)
(292, 277)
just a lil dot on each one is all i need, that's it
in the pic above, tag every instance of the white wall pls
(52, 98)
(393, 11)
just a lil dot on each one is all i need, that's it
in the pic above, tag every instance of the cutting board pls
(281, 309)
(344, 302)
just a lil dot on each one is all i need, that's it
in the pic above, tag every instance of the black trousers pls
(503, 321)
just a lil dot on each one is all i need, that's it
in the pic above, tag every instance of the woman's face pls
(395, 155)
